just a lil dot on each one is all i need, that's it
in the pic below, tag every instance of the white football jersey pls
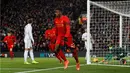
(28, 33)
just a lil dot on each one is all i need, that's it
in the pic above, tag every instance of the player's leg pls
(31, 53)
(59, 41)
(11, 52)
(88, 53)
(74, 50)
(26, 56)
(57, 48)
(52, 47)
(26, 52)
(58, 57)
(32, 56)
(62, 55)
(57, 44)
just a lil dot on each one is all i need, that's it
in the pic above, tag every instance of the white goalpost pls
(109, 26)
(88, 33)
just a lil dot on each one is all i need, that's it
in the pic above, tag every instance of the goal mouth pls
(110, 28)
(118, 7)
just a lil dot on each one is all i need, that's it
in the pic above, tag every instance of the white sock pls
(32, 55)
(25, 55)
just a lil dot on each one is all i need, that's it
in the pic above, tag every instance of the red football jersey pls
(10, 40)
(62, 26)
(51, 35)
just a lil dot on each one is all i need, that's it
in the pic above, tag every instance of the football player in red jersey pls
(10, 40)
(50, 35)
(64, 37)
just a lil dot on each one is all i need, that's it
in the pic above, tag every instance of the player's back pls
(26, 31)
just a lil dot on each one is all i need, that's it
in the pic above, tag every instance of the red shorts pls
(69, 42)
(52, 47)
(10, 46)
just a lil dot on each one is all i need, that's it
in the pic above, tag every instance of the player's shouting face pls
(58, 12)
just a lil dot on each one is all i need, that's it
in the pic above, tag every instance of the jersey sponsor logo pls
(60, 25)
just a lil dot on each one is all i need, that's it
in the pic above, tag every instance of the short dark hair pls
(30, 20)
(9, 31)
(60, 9)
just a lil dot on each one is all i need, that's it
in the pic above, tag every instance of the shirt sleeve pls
(67, 26)
(5, 39)
(14, 38)
(30, 33)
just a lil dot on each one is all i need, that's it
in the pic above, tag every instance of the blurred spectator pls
(16, 12)
(104, 25)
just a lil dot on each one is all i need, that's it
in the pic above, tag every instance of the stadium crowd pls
(104, 24)
(16, 12)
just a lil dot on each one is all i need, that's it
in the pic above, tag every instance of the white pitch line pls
(47, 69)
(111, 65)
(15, 69)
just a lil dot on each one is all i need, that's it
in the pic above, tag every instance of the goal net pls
(110, 29)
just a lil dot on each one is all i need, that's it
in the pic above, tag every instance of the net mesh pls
(105, 26)
(126, 33)
(119, 6)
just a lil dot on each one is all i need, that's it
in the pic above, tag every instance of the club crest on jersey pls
(60, 25)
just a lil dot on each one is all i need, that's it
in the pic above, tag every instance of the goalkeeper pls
(118, 53)
(109, 56)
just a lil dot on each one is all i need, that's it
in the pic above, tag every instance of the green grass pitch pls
(52, 65)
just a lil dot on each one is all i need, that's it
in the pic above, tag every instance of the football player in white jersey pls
(84, 38)
(29, 41)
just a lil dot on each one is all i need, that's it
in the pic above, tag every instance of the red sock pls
(62, 55)
(58, 57)
(11, 54)
(75, 55)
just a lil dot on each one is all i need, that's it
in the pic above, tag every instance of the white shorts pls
(28, 43)
(90, 45)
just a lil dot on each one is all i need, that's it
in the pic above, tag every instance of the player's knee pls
(11, 49)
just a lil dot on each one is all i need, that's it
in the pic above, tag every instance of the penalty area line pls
(111, 65)
(14, 69)
(54, 68)
(47, 69)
